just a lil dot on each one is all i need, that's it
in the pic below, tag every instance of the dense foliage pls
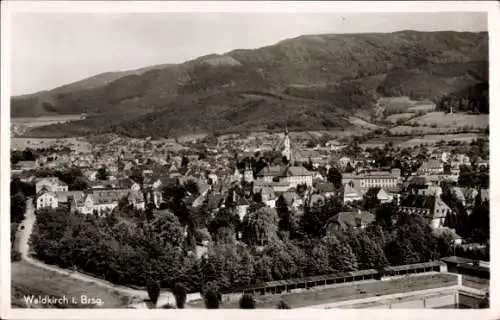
(130, 248)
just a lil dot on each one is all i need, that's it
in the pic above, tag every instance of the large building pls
(432, 208)
(52, 184)
(289, 176)
(387, 180)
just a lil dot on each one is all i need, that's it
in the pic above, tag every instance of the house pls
(466, 196)
(417, 185)
(431, 208)
(481, 163)
(344, 161)
(291, 176)
(270, 174)
(268, 196)
(128, 183)
(326, 189)
(316, 200)
(237, 176)
(384, 197)
(353, 219)
(52, 184)
(389, 180)
(26, 165)
(136, 199)
(90, 174)
(304, 156)
(99, 201)
(334, 145)
(298, 175)
(242, 205)
(46, 199)
(351, 194)
(457, 240)
(432, 166)
(292, 199)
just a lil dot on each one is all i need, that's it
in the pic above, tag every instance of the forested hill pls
(313, 81)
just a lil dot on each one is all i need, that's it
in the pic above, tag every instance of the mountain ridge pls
(349, 71)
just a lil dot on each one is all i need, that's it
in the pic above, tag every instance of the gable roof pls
(428, 202)
(51, 180)
(348, 190)
(274, 171)
(297, 171)
(43, 191)
(349, 218)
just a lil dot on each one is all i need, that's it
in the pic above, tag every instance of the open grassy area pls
(431, 139)
(346, 292)
(455, 120)
(399, 116)
(476, 283)
(29, 280)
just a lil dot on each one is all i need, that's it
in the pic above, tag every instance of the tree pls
(153, 288)
(192, 187)
(341, 255)
(349, 168)
(180, 295)
(369, 253)
(17, 207)
(247, 301)
(335, 177)
(184, 162)
(319, 260)
(166, 228)
(260, 226)
(102, 174)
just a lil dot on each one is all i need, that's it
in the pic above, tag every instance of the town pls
(249, 160)
(255, 192)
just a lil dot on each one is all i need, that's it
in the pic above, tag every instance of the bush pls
(211, 299)
(283, 305)
(180, 294)
(15, 255)
(211, 295)
(153, 288)
(247, 301)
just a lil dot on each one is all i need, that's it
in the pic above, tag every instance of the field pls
(34, 143)
(30, 280)
(32, 122)
(422, 107)
(349, 291)
(456, 120)
(431, 139)
(476, 283)
(399, 116)
(393, 105)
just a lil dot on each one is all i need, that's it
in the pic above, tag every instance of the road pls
(24, 249)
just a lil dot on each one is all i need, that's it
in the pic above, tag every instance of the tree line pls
(130, 247)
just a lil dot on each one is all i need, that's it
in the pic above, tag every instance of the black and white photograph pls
(223, 158)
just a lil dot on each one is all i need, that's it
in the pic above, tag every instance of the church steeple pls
(287, 148)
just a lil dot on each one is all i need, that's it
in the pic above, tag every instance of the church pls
(285, 176)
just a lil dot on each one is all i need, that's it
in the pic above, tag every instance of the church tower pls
(248, 175)
(287, 148)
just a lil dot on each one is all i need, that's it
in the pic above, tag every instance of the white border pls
(8, 7)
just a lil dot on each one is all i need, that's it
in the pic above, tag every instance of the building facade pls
(388, 180)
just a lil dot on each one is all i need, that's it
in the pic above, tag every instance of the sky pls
(53, 49)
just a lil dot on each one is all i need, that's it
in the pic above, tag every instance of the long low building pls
(388, 180)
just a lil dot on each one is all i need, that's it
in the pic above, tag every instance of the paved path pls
(24, 249)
